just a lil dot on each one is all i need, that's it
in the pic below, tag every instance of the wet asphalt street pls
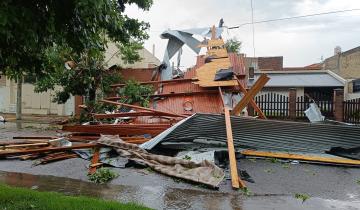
(276, 183)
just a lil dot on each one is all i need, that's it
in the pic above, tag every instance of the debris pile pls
(204, 111)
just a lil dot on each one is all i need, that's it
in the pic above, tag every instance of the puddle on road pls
(25, 125)
(169, 198)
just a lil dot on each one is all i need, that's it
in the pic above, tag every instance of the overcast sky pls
(301, 41)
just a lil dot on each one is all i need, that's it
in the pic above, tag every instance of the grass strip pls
(14, 198)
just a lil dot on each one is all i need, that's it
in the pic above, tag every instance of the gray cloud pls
(301, 41)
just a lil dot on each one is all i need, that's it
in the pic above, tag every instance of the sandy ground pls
(275, 184)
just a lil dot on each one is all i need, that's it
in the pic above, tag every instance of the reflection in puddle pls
(20, 125)
(159, 197)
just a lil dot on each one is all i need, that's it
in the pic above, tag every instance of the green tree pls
(34, 33)
(233, 45)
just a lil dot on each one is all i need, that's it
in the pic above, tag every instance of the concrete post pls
(19, 98)
(338, 104)
(292, 103)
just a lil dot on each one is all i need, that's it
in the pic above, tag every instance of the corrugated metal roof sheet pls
(265, 134)
(320, 79)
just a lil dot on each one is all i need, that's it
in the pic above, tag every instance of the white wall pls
(33, 103)
(282, 91)
(148, 59)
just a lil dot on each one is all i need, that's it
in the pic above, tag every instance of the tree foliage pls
(37, 37)
(134, 92)
(233, 45)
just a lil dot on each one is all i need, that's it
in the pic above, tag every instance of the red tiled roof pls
(315, 66)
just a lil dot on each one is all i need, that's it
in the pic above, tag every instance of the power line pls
(252, 23)
(294, 17)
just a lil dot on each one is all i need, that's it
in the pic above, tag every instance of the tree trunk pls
(18, 98)
(92, 94)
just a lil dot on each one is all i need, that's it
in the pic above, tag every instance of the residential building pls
(41, 103)
(347, 65)
(304, 81)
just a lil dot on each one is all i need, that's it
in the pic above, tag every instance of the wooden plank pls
(300, 157)
(156, 82)
(221, 97)
(115, 98)
(119, 129)
(131, 114)
(259, 84)
(96, 165)
(231, 150)
(252, 101)
(206, 73)
(141, 108)
(94, 160)
(56, 158)
(48, 149)
(25, 145)
(35, 137)
(20, 141)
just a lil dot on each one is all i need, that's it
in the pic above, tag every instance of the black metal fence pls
(273, 105)
(352, 111)
(325, 105)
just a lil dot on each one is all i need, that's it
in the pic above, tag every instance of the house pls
(347, 65)
(41, 103)
(312, 83)
(273, 66)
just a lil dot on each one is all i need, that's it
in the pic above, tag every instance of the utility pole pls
(18, 98)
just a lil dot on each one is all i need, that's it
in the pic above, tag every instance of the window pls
(356, 85)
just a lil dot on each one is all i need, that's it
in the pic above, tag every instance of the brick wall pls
(270, 63)
(346, 64)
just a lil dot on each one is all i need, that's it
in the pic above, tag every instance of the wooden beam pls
(231, 150)
(156, 82)
(35, 137)
(94, 160)
(56, 158)
(131, 114)
(252, 101)
(300, 157)
(25, 145)
(119, 129)
(259, 84)
(141, 108)
(221, 97)
(171, 94)
(48, 149)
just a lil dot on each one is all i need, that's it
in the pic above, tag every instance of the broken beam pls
(95, 159)
(171, 94)
(252, 101)
(141, 108)
(49, 149)
(300, 157)
(131, 114)
(156, 82)
(231, 150)
(259, 84)
(119, 129)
